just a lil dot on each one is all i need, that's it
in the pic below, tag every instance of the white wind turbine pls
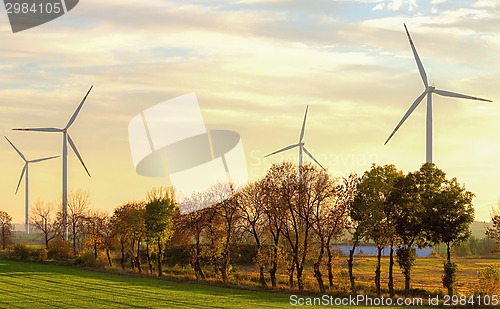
(26, 171)
(429, 90)
(66, 139)
(301, 146)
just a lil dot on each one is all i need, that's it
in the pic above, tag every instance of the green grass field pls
(35, 285)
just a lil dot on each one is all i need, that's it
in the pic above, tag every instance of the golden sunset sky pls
(254, 66)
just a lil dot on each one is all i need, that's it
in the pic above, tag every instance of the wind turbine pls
(66, 139)
(428, 91)
(25, 171)
(301, 146)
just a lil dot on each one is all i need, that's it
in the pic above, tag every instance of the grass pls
(37, 285)
(426, 274)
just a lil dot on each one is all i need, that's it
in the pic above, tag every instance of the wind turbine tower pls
(66, 139)
(26, 189)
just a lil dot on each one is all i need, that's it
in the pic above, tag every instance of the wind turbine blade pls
(75, 114)
(458, 95)
(417, 59)
(18, 151)
(283, 149)
(77, 154)
(408, 113)
(21, 178)
(43, 159)
(40, 129)
(311, 156)
(303, 126)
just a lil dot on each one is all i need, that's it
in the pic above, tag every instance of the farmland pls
(41, 285)
(35, 285)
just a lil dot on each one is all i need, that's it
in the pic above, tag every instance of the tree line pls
(293, 221)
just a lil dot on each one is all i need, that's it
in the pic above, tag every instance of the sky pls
(254, 66)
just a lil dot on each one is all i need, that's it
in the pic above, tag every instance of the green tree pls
(409, 223)
(5, 228)
(374, 190)
(126, 220)
(448, 215)
(158, 218)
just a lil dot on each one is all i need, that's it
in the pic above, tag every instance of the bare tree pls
(274, 213)
(78, 205)
(252, 212)
(329, 218)
(43, 219)
(195, 223)
(95, 226)
(227, 211)
(5, 228)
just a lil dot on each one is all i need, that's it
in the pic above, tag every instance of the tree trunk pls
(377, 271)
(407, 282)
(329, 266)
(150, 265)
(225, 266)
(159, 258)
(138, 256)
(317, 270)
(300, 281)
(74, 240)
(290, 275)
(109, 257)
(122, 260)
(391, 266)
(274, 266)
(448, 253)
(132, 257)
(350, 263)
(197, 262)
(95, 249)
(262, 279)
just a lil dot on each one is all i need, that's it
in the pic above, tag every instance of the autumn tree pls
(274, 212)
(195, 223)
(159, 211)
(252, 212)
(325, 217)
(43, 219)
(493, 232)
(228, 213)
(95, 226)
(5, 229)
(338, 219)
(78, 205)
(126, 219)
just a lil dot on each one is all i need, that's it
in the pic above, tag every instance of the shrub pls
(21, 252)
(489, 281)
(450, 276)
(86, 259)
(59, 249)
(26, 253)
(42, 254)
